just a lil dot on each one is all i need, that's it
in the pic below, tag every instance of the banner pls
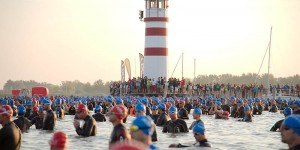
(141, 65)
(122, 71)
(127, 64)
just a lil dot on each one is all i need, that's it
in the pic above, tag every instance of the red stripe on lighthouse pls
(156, 32)
(164, 19)
(156, 51)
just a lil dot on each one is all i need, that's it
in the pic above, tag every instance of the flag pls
(122, 71)
(127, 64)
(141, 65)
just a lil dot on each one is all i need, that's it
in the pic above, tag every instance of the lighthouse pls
(156, 38)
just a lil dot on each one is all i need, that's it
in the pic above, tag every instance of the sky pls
(58, 40)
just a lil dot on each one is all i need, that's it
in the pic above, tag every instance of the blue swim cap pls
(46, 101)
(29, 103)
(98, 108)
(197, 111)
(140, 107)
(21, 110)
(129, 102)
(199, 128)
(232, 98)
(247, 108)
(219, 99)
(109, 100)
(203, 101)
(240, 101)
(41, 108)
(58, 101)
(293, 122)
(144, 123)
(11, 102)
(218, 103)
(257, 99)
(287, 111)
(145, 101)
(5, 102)
(119, 100)
(172, 109)
(209, 98)
(162, 106)
(24, 102)
(154, 107)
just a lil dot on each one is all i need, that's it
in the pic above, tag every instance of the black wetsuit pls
(296, 112)
(49, 120)
(225, 108)
(175, 127)
(72, 110)
(99, 117)
(90, 107)
(202, 143)
(257, 110)
(23, 123)
(38, 122)
(297, 147)
(194, 123)
(148, 111)
(188, 107)
(89, 127)
(276, 125)
(162, 119)
(204, 109)
(183, 113)
(34, 114)
(240, 113)
(154, 135)
(273, 108)
(10, 137)
(27, 113)
(154, 118)
(234, 110)
(119, 133)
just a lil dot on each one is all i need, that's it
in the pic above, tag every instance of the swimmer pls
(175, 125)
(22, 122)
(89, 127)
(98, 116)
(197, 116)
(290, 132)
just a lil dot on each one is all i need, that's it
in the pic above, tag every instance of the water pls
(222, 134)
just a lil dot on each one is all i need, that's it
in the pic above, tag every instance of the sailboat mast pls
(268, 84)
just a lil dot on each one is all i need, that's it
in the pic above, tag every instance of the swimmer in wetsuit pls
(154, 114)
(163, 117)
(257, 108)
(22, 122)
(287, 111)
(89, 127)
(216, 110)
(72, 109)
(140, 110)
(59, 111)
(200, 137)
(38, 120)
(182, 112)
(50, 117)
(116, 116)
(290, 132)
(197, 116)
(142, 130)
(10, 134)
(240, 113)
(175, 125)
(34, 113)
(98, 116)
(248, 115)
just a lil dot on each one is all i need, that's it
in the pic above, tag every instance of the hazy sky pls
(58, 40)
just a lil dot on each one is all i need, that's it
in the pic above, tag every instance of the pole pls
(182, 66)
(268, 83)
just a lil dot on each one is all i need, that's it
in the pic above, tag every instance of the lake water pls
(222, 134)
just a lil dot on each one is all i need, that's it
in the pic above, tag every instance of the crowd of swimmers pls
(183, 86)
(170, 113)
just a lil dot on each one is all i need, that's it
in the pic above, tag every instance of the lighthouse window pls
(161, 4)
(153, 3)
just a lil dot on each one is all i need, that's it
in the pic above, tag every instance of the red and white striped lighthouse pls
(156, 38)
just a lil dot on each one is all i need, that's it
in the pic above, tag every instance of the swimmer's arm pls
(178, 145)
